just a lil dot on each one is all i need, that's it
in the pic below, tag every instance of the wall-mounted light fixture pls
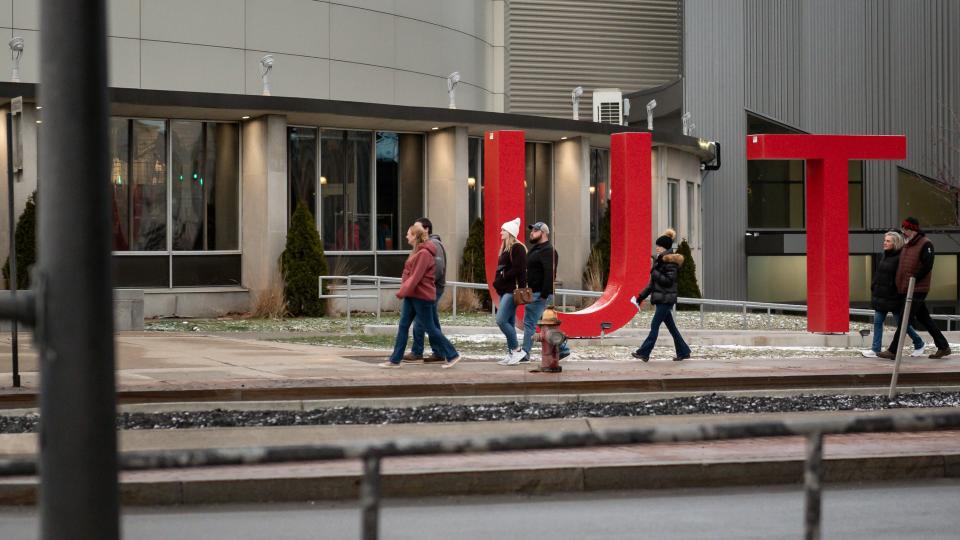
(472, 182)
(323, 180)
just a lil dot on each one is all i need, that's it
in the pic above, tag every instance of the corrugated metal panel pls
(714, 95)
(555, 45)
(864, 66)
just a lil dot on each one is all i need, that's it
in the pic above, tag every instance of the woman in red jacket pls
(418, 291)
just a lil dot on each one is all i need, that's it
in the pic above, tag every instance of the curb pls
(531, 481)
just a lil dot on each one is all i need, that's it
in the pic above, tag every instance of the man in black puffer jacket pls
(662, 291)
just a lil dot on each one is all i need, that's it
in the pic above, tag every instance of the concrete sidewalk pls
(155, 366)
(847, 458)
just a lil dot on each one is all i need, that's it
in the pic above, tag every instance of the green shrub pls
(301, 263)
(25, 238)
(473, 264)
(597, 271)
(687, 286)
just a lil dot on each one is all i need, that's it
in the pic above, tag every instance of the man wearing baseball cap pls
(916, 261)
(541, 270)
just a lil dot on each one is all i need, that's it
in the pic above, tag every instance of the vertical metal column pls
(812, 475)
(74, 330)
(370, 499)
(14, 342)
(904, 322)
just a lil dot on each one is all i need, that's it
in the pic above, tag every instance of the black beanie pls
(666, 241)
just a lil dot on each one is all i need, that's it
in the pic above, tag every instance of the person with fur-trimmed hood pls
(662, 291)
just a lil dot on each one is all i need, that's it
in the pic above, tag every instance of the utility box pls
(608, 106)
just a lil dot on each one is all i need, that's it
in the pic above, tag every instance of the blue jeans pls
(531, 316)
(418, 330)
(421, 310)
(664, 314)
(507, 320)
(878, 318)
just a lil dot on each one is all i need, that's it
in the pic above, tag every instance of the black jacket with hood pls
(662, 288)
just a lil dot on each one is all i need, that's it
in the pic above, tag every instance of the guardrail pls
(744, 306)
(373, 453)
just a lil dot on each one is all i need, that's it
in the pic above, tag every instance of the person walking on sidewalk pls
(662, 291)
(916, 261)
(415, 356)
(419, 292)
(511, 274)
(542, 262)
(885, 298)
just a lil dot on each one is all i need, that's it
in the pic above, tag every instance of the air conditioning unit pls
(608, 106)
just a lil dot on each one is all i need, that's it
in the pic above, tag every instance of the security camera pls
(452, 80)
(16, 51)
(575, 97)
(685, 121)
(651, 105)
(626, 111)
(266, 64)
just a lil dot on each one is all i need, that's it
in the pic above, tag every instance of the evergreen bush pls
(301, 263)
(25, 238)
(687, 286)
(473, 263)
(599, 262)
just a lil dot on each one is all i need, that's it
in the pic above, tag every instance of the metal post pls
(370, 499)
(904, 322)
(701, 315)
(454, 301)
(744, 316)
(14, 344)
(349, 294)
(74, 330)
(812, 474)
(379, 294)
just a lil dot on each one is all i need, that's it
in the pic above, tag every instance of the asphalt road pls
(915, 510)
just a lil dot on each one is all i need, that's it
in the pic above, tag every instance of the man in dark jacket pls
(916, 261)
(440, 280)
(542, 262)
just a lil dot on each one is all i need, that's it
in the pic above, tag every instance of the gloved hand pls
(633, 300)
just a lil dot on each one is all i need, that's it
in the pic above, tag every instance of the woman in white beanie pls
(511, 275)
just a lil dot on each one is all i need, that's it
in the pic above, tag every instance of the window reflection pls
(302, 168)
(399, 186)
(345, 189)
(138, 176)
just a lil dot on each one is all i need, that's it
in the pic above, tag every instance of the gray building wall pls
(872, 67)
(382, 51)
(556, 45)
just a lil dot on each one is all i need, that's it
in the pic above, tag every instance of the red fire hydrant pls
(551, 338)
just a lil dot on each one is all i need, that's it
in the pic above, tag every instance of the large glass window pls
(400, 171)
(775, 188)
(205, 189)
(931, 202)
(599, 189)
(673, 203)
(783, 278)
(692, 212)
(302, 167)
(538, 183)
(200, 189)
(475, 178)
(138, 155)
(345, 179)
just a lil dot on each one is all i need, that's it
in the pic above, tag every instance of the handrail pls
(744, 305)
(372, 453)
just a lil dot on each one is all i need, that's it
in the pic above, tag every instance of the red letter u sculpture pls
(630, 215)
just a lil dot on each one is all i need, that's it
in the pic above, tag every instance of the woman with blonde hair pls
(511, 275)
(418, 291)
(886, 299)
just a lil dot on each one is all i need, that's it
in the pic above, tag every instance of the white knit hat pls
(512, 227)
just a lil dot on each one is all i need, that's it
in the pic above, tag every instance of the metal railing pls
(373, 453)
(743, 306)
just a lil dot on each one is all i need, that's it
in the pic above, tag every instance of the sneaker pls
(411, 358)
(515, 357)
(868, 353)
(525, 359)
(941, 353)
(432, 359)
(389, 365)
(506, 360)
(451, 362)
(918, 352)
(887, 355)
(638, 356)
(679, 358)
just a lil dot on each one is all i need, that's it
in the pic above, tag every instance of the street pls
(916, 510)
